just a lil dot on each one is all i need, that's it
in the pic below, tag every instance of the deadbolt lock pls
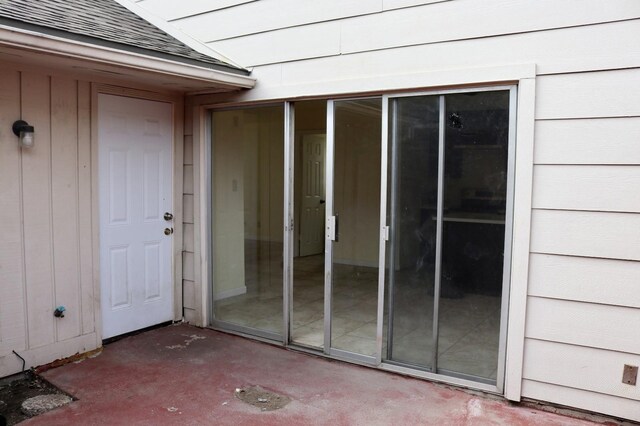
(168, 231)
(168, 216)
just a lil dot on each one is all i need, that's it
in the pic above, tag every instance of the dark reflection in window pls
(474, 190)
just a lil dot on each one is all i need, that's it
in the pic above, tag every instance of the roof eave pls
(11, 36)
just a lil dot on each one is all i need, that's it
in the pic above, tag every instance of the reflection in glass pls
(307, 317)
(413, 160)
(357, 205)
(247, 197)
(475, 128)
(475, 192)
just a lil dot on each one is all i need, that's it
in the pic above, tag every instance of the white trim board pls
(360, 86)
(43, 43)
(177, 103)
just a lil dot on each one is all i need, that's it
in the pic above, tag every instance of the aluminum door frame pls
(330, 234)
(460, 379)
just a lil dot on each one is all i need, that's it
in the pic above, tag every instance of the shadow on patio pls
(186, 375)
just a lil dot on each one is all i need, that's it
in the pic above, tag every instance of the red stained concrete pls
(187, 376)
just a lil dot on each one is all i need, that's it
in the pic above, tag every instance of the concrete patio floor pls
(188, 376)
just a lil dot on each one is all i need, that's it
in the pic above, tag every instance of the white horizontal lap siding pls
(316, 40)
(590, 234)
(465, 19)
(588, 141)
(171, 9)
(269, 15)
(580, 367)
(428, 24)
(583, 308)
(587, 400)
(190, 291)
(585, 48)
(594, 280)
(589, 95)
(46, 252)
(584, 324)
(397, 4)
(587, 187)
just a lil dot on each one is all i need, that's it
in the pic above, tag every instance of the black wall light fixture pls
(24, 131)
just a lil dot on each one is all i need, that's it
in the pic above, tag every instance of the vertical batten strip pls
(51, 217)
(85, 235)
(22, 243)
(76, 197)
(36, 165)
(64, 205)
(12, 287)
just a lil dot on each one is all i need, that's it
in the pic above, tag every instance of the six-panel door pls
(135, 192)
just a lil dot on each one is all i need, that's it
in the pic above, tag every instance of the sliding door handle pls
(332, 228)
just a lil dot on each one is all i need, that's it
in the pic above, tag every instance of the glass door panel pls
(448, 207)
(355, 205)
(247, 213)
(411, 253)
(476, 141)
(309, 144)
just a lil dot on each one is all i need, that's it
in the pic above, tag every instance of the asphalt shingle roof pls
(105, 22)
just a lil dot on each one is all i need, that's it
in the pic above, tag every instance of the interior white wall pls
(357, 188)
(228, 203)
(247, 167)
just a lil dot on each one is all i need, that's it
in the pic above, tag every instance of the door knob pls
(168, 231)
(322, 201)
(168, 216)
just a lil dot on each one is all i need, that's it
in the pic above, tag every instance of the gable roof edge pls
(191, 42)
(45, 43)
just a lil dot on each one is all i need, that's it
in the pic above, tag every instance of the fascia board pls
(44, 43)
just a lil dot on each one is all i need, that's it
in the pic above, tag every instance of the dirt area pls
(261, 398)
(17, 388)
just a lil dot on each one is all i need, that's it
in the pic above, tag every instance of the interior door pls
(312, 196)
(353, 228)
(135, 199)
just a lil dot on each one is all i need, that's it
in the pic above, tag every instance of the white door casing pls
(135, 190)
(312, 211)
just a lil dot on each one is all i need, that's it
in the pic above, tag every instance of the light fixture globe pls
(25, 132)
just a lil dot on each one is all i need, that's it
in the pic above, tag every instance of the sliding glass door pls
(370, 229)
(353, 237)
(247, 178)
(411, 255)
(448, 212)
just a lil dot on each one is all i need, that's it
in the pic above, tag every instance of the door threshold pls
(364, 361)
(134, 332)
(448, 380)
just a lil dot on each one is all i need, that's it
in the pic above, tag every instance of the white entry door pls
(313, 202)
(135, 188)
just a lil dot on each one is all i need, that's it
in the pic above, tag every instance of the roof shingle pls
(106, 22)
